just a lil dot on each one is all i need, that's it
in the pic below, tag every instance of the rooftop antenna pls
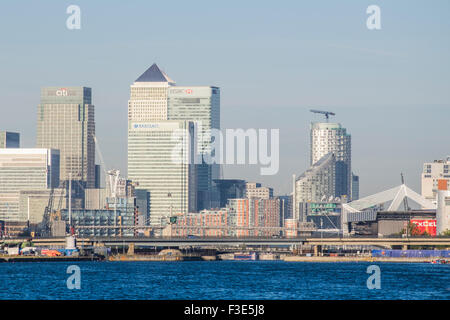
(326, 113)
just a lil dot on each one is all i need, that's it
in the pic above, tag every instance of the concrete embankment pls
(356, 259)
(14, 258)
(126, 257)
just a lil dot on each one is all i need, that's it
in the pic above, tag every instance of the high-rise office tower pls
(148, 96)
(154, 97)
(201, 105)
(315, 184)
(332, 137)
(171, 184)
(9, 139)
(66, 122)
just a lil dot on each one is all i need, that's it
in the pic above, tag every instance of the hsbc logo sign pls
(181, 91)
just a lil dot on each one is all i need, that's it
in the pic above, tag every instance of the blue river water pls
(223, 280)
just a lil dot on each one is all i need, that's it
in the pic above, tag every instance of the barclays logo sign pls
(145, 126)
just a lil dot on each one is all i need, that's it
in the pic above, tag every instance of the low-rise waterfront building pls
(325, 215)
(206, 223)
(240, 218)
(255, 217)
(117, 220)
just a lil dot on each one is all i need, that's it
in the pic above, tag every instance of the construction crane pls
(61, 195)
(406, 206)
(112, 179)
(102, 162)
(56, 215)
(326, 113)
(106, 172)
(45, 226)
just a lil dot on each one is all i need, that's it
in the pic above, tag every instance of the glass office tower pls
(201, 105)
(154, 97)
(66, 122)
(171, 184)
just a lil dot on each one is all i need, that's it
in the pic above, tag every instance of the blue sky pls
(272, 60)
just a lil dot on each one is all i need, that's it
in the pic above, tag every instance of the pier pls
(220, 242)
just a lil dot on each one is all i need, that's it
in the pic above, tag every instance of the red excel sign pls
(428, 226)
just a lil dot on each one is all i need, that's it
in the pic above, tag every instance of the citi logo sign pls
(62, 92)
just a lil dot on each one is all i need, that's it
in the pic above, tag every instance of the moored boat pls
(245, 256)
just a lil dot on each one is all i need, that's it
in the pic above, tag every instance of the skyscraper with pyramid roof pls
(156, 107)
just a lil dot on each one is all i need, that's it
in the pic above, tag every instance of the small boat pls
(226, 256)
(439, 261)
(269, 256)
(245, 256)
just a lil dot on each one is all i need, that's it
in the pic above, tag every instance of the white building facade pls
(255, 190)
(25, 170)
(333, 138)
(316, 184)
(155, 100)
(432, 173)
(443, 209)
(172, 184)
(148, 96)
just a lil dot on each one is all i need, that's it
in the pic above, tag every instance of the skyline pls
(361, 152)
(320, 57)
(224, 159)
